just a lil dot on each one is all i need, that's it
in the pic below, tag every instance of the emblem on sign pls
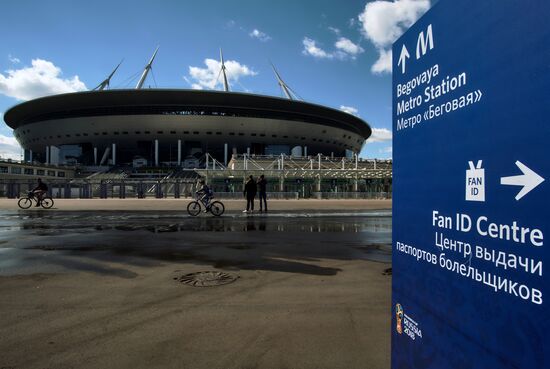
(475, 182)
(399, 318)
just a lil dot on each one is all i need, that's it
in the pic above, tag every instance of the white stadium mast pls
(282, 83)
(146, 70)
(290, 94)
(225, 84)
(107, 80)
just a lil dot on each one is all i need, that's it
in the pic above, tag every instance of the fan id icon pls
(475, 182)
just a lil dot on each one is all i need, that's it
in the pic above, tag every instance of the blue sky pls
(330, 53)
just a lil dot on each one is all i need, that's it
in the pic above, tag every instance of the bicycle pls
(26, 202)
(194, 208)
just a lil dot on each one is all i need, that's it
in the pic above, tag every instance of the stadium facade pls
(169, 126)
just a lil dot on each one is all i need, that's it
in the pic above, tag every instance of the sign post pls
(471, 203)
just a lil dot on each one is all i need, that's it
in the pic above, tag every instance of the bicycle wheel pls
(47, 202)
(24, 203)
(194, 208)
(217, 208)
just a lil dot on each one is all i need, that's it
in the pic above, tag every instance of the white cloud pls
(256, 33)
(380, 135)
(41, 79)
(383, 64)
(335, 30)
(350, 110)
(13, 59)
(383, 22)
(345, 49)
(9, 148)
(311, 49)
(348, 47)
(201, 78)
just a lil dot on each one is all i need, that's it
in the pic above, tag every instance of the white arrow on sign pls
(403, 58)
(529, 180)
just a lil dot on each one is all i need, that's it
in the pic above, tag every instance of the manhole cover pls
(206, 279)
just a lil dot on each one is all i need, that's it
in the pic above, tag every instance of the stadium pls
(158, 142)
(176, 127)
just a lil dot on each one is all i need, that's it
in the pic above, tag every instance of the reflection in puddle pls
(282, 242)
(157, 224)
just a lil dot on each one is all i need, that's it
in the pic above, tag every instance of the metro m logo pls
(423, 42)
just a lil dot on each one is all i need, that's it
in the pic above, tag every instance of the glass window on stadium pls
(277, 149)
(15, 170)
(3, 169)
(70, 154)
(28, 171)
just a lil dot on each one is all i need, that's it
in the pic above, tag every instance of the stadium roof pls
(174, 101)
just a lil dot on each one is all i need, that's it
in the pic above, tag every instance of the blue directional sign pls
(471, 205)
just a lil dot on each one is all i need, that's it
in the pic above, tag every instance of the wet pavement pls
(138, 289)
(50, 241)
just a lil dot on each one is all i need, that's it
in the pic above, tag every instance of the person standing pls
(262, 190)
(250, 193)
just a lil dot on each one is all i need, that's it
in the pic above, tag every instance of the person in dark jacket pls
(39, 191)
(250, 193)
(204, 194)
(262, 190)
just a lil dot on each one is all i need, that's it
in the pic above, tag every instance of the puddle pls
(90, 241)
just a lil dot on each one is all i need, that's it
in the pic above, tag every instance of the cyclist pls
(39, 192)
(205, 194)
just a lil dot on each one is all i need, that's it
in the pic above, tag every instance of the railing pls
(270, 195)
(112, 188)
(173, 188)
(36, 164)
(352, 195)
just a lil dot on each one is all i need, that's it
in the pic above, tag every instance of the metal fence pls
(102, 189)
(270, 195)
(172, 188)
(352, 195)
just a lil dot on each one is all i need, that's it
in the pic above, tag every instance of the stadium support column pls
(179, 153)
(95, 155)
(305, 151)
(113, 153)
(356, 179)
(54, 155)
(47, 155)
(156, 153)
(225, 154)
(319, 177)
(282, 174)
(30, 156)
